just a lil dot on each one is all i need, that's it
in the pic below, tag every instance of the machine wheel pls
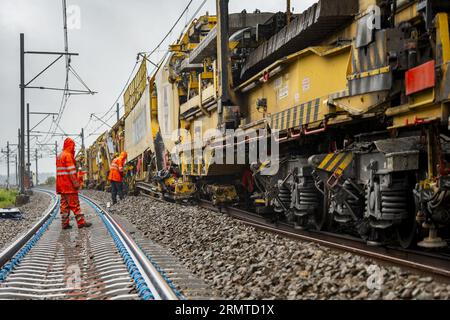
(407, 232)
(322, 218)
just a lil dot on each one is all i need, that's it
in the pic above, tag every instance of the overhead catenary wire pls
(65, 96)
(66, 91)
(122, 91)
(111, 110)
(172, 28)
(150, 53)
(166, 51)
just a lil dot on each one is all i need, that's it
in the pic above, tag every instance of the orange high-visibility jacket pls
(116, 168)
(80, 177)
(66, 173)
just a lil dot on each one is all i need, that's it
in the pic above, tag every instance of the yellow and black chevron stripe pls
(299, 115)
(336, 162)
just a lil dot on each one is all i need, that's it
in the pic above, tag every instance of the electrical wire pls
(94, 132)
(171, 29)
(122, 91)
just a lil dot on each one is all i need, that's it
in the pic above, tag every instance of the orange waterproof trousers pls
(70, 202)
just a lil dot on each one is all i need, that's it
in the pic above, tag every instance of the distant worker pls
(67, 186)
(116, 176)
(80, 176)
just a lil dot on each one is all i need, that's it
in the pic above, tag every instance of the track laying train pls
(355, 94)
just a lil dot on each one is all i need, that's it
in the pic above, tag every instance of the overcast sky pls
(110, 35)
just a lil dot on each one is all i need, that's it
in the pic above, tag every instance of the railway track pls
(100, 262)
(428, 262)
(437, 264)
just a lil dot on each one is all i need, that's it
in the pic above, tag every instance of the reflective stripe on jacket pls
(66, 173)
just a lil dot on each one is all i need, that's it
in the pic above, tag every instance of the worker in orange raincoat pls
(116, 176)
(80, 176)
(67, 186)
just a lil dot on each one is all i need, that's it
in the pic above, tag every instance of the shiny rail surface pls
(100, 262)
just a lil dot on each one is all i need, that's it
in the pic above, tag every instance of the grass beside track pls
(7, 198)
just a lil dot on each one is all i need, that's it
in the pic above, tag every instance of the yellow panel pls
(364, 4)
(138, 131)
(418, 116)
(175, 48)
(136, 88)
(302, 81)
(443, 35)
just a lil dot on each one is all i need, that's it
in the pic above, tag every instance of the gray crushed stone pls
(240, 262)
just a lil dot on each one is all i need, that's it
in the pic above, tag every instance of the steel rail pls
(34, 267)
(159, 287)
(435, 264)
(417, 260)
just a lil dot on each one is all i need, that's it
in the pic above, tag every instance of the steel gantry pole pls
(28, 147)
(17, 173)
(18, 160)
(36, 158)
(22, 115)
(224, 99)
(82, 137)
(7, 164)
(83, 148)
(7, 170)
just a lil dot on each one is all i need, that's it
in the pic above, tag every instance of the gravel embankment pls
(239, 262)
(32, 212)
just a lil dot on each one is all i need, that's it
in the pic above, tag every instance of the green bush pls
(7, 198)
(51, 181)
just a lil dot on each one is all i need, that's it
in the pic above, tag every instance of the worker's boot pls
(67, 226)
(85, 225)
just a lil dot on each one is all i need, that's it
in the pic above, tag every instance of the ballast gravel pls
(240, 262)
(32, 212)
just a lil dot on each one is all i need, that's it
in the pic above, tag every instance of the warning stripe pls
(342, 163)
(316, 110)
(294, 123)
(327, 159)
(346, 162)
(299, 115)
(308, 112)
(302, 111)
(334, 161)
(288, 118)
(283, 117)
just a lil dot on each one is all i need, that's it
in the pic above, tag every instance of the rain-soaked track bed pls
(242, 262)
(98, 262)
